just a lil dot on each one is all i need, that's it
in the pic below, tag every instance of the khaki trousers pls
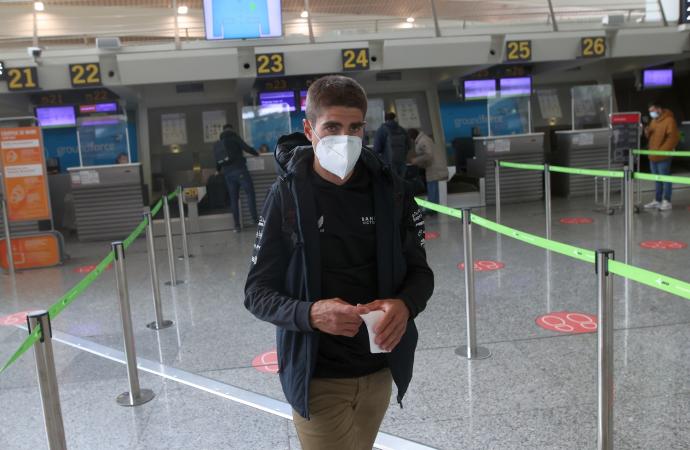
(345, 412)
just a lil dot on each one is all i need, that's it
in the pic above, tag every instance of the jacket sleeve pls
(419, 280)
(380, 141)
(264, 293)
(244, 146)
(671, 138)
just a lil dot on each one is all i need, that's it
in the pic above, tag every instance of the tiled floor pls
(537, 391)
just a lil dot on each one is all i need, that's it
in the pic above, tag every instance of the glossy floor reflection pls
(537, 391)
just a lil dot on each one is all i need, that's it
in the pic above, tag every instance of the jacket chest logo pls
(368, 220)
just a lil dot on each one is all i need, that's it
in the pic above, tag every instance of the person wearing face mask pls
(662, 134)
(339, 236)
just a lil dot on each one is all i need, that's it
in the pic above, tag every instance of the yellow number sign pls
(518, 51)
(88, 74)
(593, 47)
(355, 59)
(270, 64)
(22, 78)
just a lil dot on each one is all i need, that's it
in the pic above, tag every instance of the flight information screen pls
(242, 19)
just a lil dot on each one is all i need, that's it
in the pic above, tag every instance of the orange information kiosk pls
(25, 189)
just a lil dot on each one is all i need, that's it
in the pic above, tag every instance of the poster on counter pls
(25, 183)
(213, 122)
(30, 252)
(174, 129)
(375, 113)
(408, 113)
(549, 104)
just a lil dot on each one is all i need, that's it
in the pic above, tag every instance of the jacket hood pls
(226, 133)
(293, 150)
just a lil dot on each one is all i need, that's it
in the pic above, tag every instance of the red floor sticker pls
(576, 220)
(664, 245)
(568, 322)
(484, 266)
(429, 235)
(89, 268)
(14, 319)
(266, 362)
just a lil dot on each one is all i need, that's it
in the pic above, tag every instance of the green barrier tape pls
(558, 247)
(655, 280)
(60, 305)
(26, 345)
(135, 234)
(439, 208)
(660, 153)
(664, 178)
(512, 165)
(172, 195)
(590, 172)
(157, 208)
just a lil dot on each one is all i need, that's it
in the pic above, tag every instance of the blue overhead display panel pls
(242, 19)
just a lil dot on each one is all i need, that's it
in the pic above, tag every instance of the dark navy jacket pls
(285, 275)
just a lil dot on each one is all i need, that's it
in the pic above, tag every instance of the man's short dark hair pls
(390, 116)
(413, 132)
(227, 126)
(334, 90)
(656, 104)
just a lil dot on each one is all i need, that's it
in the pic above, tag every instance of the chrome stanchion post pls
(171, 250)
(8, 237)
(136, 396)
(47, 380)
(547, 199)
(183, 226)
(607, 195)
(160, 323)
(497, 182)
(629, 208)
(605, 344)
(470, 350)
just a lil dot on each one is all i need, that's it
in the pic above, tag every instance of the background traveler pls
(662, 134)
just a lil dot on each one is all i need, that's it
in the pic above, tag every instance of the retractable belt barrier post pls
(547, 199)
(169, 240)
(497, 181)
(159, 323)
(183, 226)
(8, 238)
(470, 350)
(47, 380)
(135, 396)
(605, 344)
(629, 203)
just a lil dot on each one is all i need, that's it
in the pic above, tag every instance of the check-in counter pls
(262, 168)
(516, 185)
(108, 200)
(584, 149)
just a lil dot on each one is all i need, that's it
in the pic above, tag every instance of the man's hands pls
(392, 326)
(335, 316)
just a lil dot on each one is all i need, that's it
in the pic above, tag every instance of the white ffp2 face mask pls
(338, 154)
(654, 114)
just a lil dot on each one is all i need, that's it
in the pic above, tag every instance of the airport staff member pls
(432, 158)
(662, 134)
(339, 236)
(230, 161)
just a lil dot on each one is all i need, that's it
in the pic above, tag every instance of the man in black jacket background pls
(339, 236)
(230, 161)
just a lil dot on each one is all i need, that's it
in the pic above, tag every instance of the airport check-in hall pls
(344, 225)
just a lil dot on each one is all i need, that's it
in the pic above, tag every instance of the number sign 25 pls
(88, 74)
(270, 64)
(518, 50)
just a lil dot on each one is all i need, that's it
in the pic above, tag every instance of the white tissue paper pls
(371, 319)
